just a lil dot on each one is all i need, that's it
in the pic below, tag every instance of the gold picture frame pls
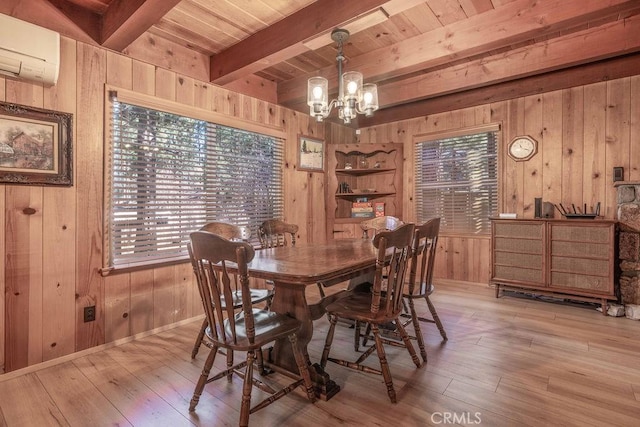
(310, 154)
(35, 146)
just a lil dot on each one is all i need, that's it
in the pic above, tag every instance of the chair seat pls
(269, 326)
(257, 296)
(357, 306)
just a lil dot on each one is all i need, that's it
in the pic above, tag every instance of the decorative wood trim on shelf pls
(365, 194)
(350, 220)
(369, 171)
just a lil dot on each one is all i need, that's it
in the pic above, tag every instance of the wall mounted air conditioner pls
(28, 52)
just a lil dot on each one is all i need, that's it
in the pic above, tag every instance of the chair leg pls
(229, 364)
(333, 320)
(260, 362)
(357, 327)
(245, 407)
(199, 338)
(407, 343)
(384, 364)
(204, 376)
(436, 319)
(302, 367)
(267, 305)
(416, 327)
(367, 334)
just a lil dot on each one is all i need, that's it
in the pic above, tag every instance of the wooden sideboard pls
(569, 258)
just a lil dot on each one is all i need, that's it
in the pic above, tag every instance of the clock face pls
(522, 148)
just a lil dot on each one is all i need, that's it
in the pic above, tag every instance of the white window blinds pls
(170, 174)
(457, 180)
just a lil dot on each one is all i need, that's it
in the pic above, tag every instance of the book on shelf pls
(362, 214)
(369, 209)
(361, 205)
(378, 208)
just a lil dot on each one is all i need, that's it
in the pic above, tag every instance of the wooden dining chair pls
(230, 232)
(370, 228)
(274, 233)
(380, 223)
(381, 306)
(420, 283)
(246, 331)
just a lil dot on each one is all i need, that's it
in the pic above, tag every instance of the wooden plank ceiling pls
(426, 55)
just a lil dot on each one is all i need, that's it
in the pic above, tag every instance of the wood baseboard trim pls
(62, 359)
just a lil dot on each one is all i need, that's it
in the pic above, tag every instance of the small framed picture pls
(310, 154)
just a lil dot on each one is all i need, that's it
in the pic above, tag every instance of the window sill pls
(129, 268)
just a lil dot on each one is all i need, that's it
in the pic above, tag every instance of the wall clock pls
(522, 148)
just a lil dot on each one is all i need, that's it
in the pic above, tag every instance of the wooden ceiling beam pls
(516, 22)
(286, 38)
(90, 23)
(609, 69)
(606, 41)
(122, 23)
(126, 20)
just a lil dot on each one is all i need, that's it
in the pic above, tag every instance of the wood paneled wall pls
(51, 258)
(583, 132)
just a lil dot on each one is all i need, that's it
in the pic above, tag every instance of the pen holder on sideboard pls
(538, 207)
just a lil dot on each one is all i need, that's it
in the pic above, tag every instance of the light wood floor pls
(508, 362)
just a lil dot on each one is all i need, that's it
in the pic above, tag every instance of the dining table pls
(292, 269)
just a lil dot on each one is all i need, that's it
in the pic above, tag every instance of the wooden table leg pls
(291, 299)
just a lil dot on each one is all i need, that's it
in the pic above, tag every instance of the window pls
(457, 179)
(170, 173)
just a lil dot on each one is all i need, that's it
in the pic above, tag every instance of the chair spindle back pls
(390, 272)
(381, 223)
(274, 233)
(212, 257)
(423, 257)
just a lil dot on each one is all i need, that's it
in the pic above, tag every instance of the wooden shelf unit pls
(572, 259)
(378, 184)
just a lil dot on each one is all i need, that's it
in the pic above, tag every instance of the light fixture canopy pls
(354, 97)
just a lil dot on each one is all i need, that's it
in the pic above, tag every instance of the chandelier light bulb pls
(317, 92)
(368, 97)
(352, 87)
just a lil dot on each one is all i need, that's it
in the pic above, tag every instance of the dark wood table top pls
(310, 264)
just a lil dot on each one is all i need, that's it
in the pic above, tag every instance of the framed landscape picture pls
(35, 146)
(310, 154)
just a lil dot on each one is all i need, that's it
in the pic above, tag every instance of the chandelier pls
(353, 96)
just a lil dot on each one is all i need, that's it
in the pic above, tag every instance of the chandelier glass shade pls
(354, 97)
